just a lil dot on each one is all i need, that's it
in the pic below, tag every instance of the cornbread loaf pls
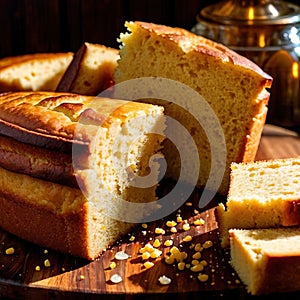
(267, 260)
(233, 86)
(262, 194)
(54, 138)
(32, 72)
(90, 71)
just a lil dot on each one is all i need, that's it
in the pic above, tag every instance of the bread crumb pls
(156, 243)
(132, 238)
(168, 243)
(10, 251)
(203, 278)
(121, 255)
(164, 280)
(207, 244)
(47, 263)
(171, 223)
(148, 264)
(116, 278)
(187, 238)
(159, 230)
(199, 222)
(186, 226)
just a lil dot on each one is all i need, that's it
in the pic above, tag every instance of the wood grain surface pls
(23, 274)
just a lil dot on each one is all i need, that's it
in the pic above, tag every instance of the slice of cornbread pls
(106, 144)
(262, 194)
(90, 71)
(32, 72)
(233, 86)
(267, 260)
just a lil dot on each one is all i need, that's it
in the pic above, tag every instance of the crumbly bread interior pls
(262, 194)
(32, 72)
(234, 89)
(116, 142)
(265, 258)
(91, 70)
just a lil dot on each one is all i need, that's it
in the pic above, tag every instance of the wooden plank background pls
(29, 26)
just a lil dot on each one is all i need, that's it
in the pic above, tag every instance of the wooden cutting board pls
(23, 274)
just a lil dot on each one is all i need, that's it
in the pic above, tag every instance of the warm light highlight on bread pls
(234, 87)
(103, 143)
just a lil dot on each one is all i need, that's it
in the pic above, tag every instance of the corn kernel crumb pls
(181, 266)
(38, 268)
(197, 255)
(173, 229)
(132, 238)
(47, 263)
(168, 243)
(207, 244)
(199, 222)
(187, 238)
(159, 230)
(171, 223)
(195, 262)
(10, 251)
(156, 243)
(144, 225)
(198, 247)
(179, 219)
(146, 255)
(203, 277)
(203, 263)
(197, 268)
(186, 226)
(148, 264)
(156, 253)
(112, 265)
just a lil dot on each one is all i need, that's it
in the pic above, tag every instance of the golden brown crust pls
(10, 61)
(192, 42)
(36, 161)
(273, 269)
(54, 116)
(286, 280)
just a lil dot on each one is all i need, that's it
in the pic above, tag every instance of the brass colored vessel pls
(267, 32)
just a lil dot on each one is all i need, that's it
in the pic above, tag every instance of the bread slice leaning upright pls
(104, 144)
(91, 70)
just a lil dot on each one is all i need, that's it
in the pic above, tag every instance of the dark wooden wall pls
(29, 26)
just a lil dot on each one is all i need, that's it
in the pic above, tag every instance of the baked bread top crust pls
(49, 119)
(190, 42)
